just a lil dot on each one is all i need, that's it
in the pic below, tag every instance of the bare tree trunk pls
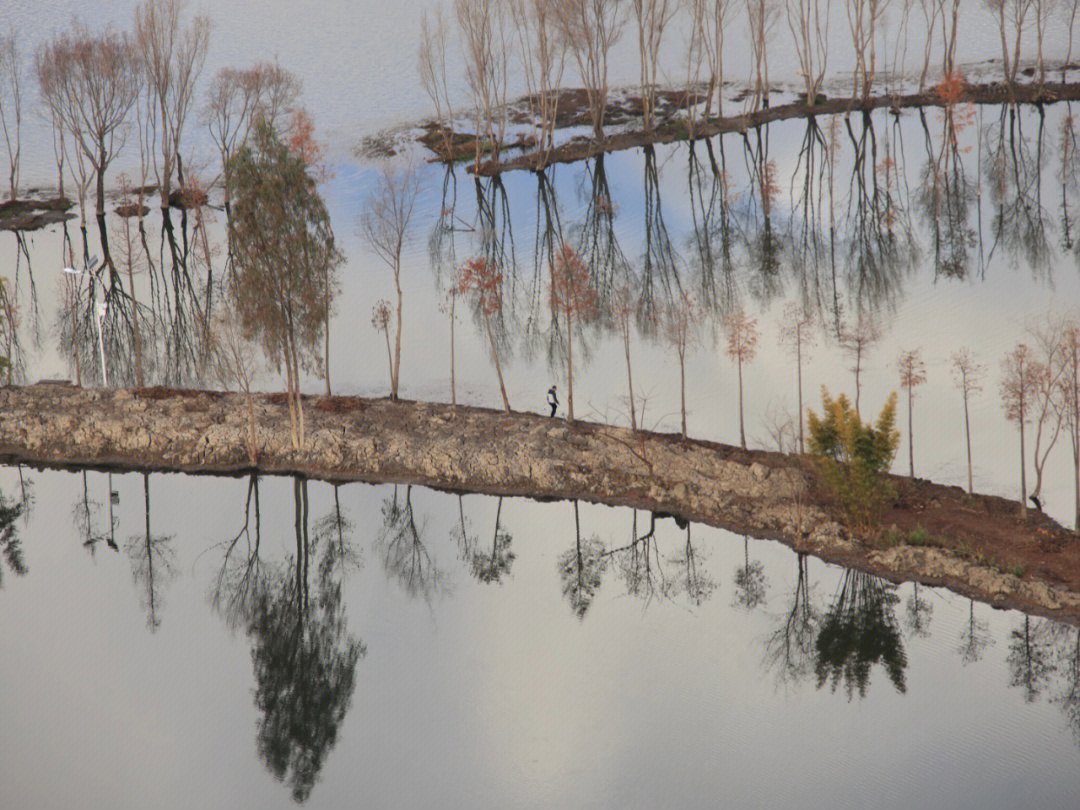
(389, 362)
(397, 336)
(742, 429)
(629, 376)
(798, 374)
(1023, 468)
(569, 367)
(498, 365)
(682, 389)
(910, 438)
(453, 381)
(967, 436)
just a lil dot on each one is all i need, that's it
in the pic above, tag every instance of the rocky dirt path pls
(976, 546)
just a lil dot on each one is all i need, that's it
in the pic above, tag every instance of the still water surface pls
(407, 663)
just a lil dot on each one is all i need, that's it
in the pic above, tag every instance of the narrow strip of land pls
(974, 545)
(677, 129)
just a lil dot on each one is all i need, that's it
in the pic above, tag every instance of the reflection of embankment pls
(976, 540)
(676, 129)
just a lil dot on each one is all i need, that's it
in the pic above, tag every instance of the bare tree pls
(1047, 410)
(967, 374)
(171, 56)
(92, 82)
(1011, 16)
(1044, 10)
(681, 322)
(796, 332)
(431, 65)
(543, 60)
(384, 225)
(1018, 384)
(11, 81)
(590, 29)
(863, 18)
(809, 25)
(574, 299)
(742, 338)
(484, 31)
(708, 19)
(481, 279)
(624, 312)
(234, 358)
(1069, 392)
(653, 17)
(238, 99)
(912, 370)
(762, 16)
(1069, 9)
(857, 341)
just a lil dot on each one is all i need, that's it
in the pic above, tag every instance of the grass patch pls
(1016, 570)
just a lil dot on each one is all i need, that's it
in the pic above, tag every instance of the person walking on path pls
(552, 400)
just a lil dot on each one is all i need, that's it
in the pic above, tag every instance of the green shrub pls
(919, 537)
(1016, 570)
(891, 536)
(854, 457)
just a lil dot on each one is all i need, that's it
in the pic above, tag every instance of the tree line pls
(542, 41)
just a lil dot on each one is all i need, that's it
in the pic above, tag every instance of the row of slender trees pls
(541, 39)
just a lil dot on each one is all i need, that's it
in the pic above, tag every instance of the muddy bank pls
(677, 129)
(937, 535)
(34, 214)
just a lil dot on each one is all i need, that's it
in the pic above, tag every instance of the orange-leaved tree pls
(481, 278)
(912, 371)
(574, 299)
(742, 338)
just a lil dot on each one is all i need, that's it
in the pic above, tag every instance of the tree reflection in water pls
(405, 557)
(638, 564)
(750, 583)
(858, 631)
(304, 661)
(974, 638)
(581, 569)
(10, 542)
(789, 650)
(492, 567)
(153, 563)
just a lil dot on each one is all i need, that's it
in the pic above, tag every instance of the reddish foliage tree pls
(912, 371)
(742, 338)
(482, 279)
(573, 297)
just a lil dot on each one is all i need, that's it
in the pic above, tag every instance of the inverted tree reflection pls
(404, 554)
(975, 637)
(153, 563)
(858, 631)
(491, 566)
(304, 661)
(789, 649)
(581, 569)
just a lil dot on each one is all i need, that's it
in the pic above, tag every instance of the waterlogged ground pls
(435, 651)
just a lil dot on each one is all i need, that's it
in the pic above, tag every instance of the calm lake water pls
(191, 643)
(402, 664)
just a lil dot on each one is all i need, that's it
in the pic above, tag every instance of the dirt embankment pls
(671, 127)
(937, 535)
